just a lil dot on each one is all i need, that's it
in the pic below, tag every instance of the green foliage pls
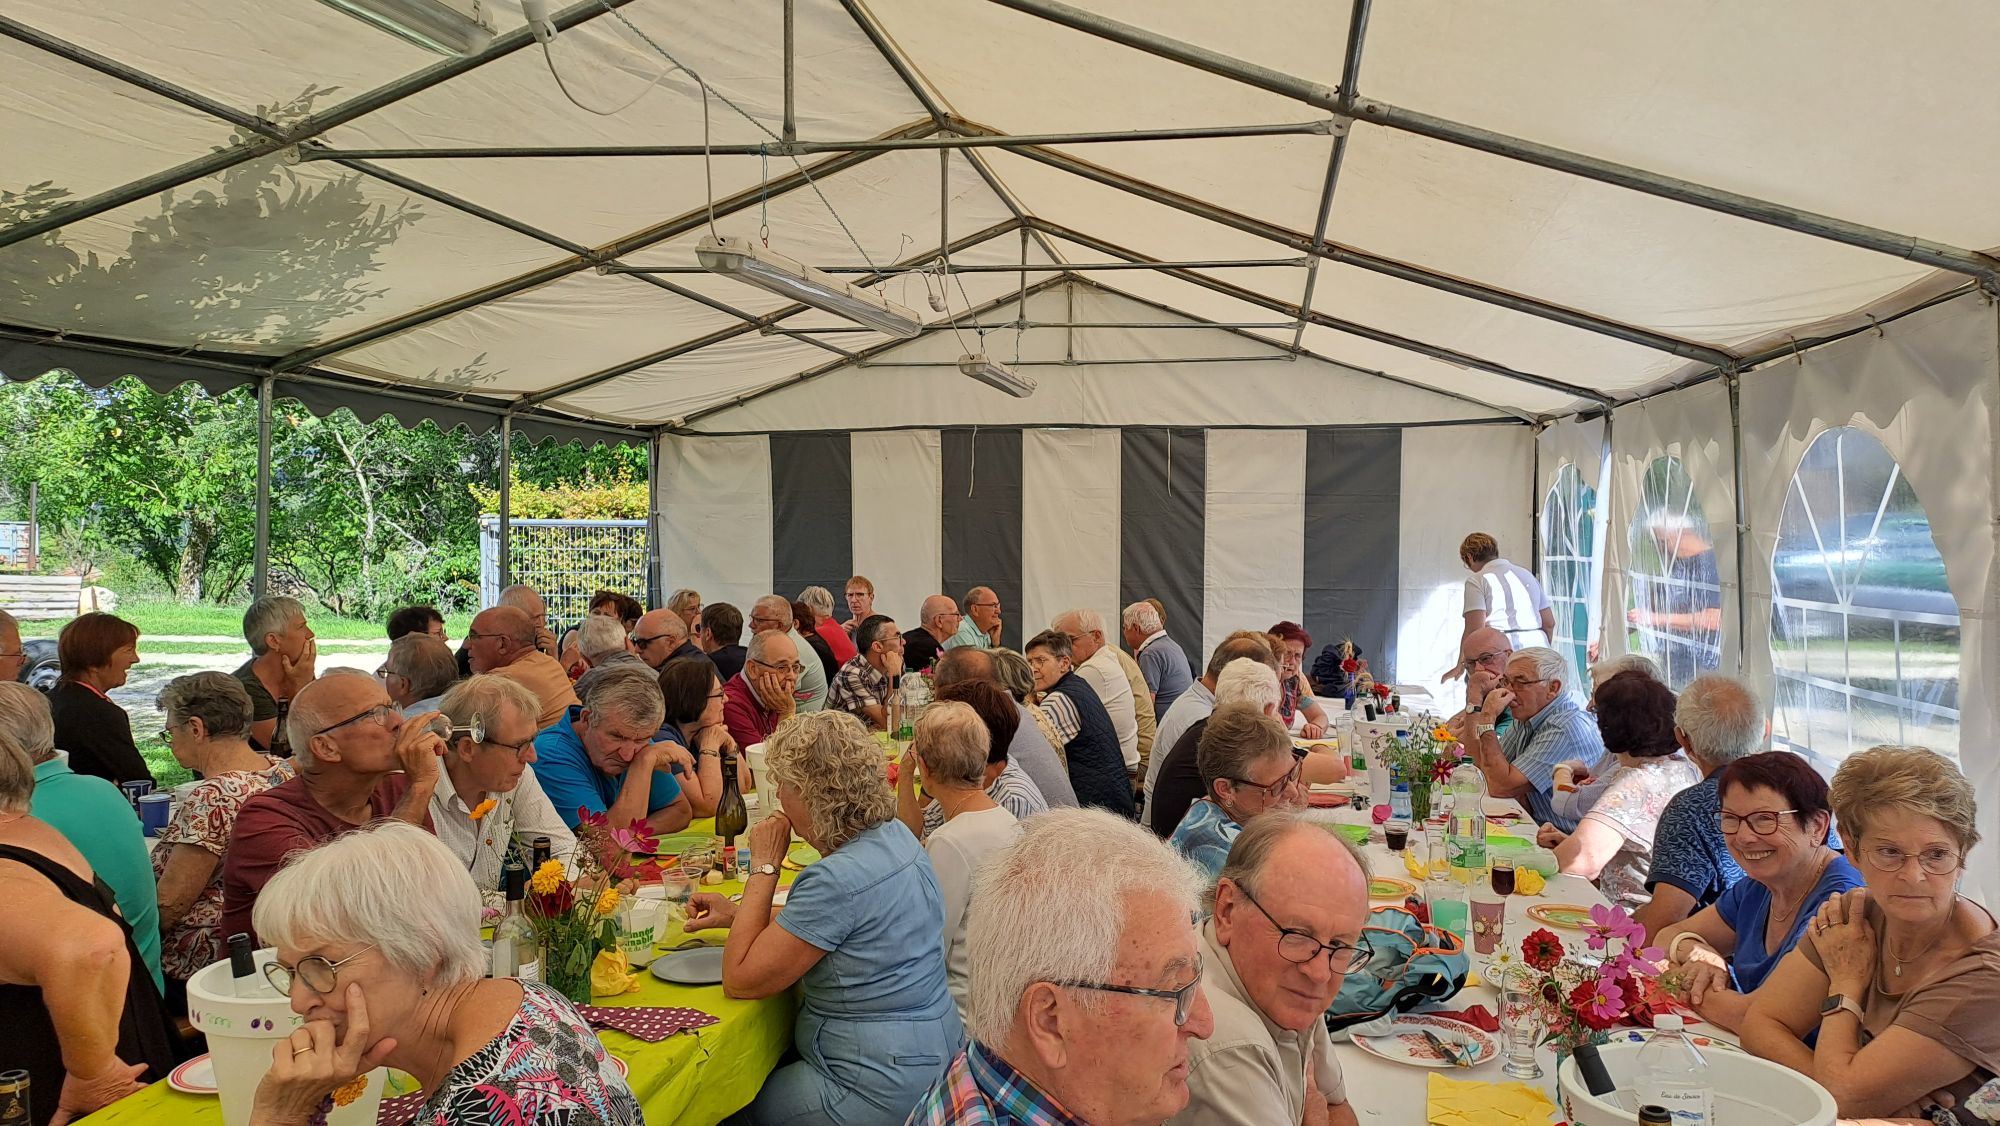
(617, 497)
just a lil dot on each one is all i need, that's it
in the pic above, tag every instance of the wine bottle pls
(732, 816)
(542, 851)
(515, 953)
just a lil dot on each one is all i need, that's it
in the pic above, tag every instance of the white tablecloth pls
(1394, 1094)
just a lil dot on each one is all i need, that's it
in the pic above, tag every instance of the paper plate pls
(1404, 1043)
(195, 1077)
(699, 966)
(1568, 916)
(1389, 887)
(799, 857)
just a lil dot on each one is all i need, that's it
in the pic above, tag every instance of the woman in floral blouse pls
(377, 936)
(208, 728)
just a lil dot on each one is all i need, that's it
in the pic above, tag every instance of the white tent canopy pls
(1697, 232)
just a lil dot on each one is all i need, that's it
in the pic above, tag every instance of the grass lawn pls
(167, 772)
(168, 617)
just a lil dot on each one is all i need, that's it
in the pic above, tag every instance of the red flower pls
(1350, 666)
(1382, 691)
(554, 904)
(1542, 950)
(1598, 1003)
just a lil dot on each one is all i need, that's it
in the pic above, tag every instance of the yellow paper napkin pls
(1465, 1102)
(1527, 881)
(1413, 867)
(611, 975)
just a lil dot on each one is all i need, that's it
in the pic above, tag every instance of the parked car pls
(39, 669)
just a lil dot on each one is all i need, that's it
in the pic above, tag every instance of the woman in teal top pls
(859, 934)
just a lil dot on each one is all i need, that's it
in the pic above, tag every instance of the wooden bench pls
(40, 598)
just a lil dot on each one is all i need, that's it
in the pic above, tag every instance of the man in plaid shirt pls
(862, 686)
(1089, 1023)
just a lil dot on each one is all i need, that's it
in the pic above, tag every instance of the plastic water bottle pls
(1399, 794)
(1466, 837)
(1673, 1074)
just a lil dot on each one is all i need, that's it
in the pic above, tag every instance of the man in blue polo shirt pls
(586, 759)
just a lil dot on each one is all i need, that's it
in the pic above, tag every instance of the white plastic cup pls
(242, 1032)
(641, 923)
(765, 802)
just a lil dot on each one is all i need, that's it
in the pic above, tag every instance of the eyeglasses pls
(642, 642)
(982, 605)
(1271, 789)
(1519, 682)
(519, 750)
(760, 620)
(1487, 657)
(1300, 948)
(1936, 861)
(320, 975)
(1763, 823)
(1183, 998)
(794, 667)
(13, 652)
(379, 714)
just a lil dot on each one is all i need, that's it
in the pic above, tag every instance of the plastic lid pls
(1669, 1022)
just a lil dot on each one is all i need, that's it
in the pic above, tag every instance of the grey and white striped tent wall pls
(1352, 531)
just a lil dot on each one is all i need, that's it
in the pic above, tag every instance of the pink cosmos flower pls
(1608, 923)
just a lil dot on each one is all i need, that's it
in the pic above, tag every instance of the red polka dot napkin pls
(647, 1023)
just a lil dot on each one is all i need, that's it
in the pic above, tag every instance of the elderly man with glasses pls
(662, 636)
(774, 612)
(359, 761)
(1289, 909)
(1248, 768)
(765, 693)
(601, 758)
(980, 628)
(502, 641)
(1093, 1021)
(1550, 728)
(486, 795)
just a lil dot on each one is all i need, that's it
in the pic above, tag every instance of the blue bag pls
(1413, 964)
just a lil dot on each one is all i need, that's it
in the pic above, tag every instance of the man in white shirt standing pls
(1097, 663)
(492, 767)
(1504, 596)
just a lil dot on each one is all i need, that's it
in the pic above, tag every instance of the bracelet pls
(1674, 947)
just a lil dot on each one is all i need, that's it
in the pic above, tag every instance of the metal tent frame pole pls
(260, 574)
(1940, 255)
(656, 561)
(1350, 77)
(1733, 379)
(506, 557)
(1012, 268)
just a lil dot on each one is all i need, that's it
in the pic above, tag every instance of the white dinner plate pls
(195, 1077)
(699, 966)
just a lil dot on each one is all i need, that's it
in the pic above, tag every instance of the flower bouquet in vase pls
(1584, 993)
(572, 910)
(1425, 754)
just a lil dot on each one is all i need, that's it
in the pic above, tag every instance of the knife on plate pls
(1443, 1049)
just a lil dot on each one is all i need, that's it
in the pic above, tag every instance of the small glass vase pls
(1420, 802)
(566, 966)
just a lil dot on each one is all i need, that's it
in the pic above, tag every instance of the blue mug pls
(154, 811)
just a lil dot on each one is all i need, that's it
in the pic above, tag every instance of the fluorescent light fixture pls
(997, 375)
(449, 27)
(747, 262)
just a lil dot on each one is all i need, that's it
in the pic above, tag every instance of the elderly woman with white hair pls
(951, 745)
(377, 937)
(859, 935)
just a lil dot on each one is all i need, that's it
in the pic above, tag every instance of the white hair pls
(520, 596)
(1087, 620)
(777, 606)
(1141, 616)
(270, 614)
(424, 661)
(25, 719)
(626, 692)
(819, 598)
(484, 695)
(1077, 870)
(598, 637)
(308, 716)
(1722, 718)
(953, 741)
(1549, 664)
(1631, 662)
(1244, 681)
(389, 885)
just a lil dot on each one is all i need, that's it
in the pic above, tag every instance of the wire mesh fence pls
(567, 561)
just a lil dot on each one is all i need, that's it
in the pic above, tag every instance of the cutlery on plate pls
(1444, 1050)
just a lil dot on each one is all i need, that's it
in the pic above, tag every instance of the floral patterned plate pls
(1568, 916)
(1404, 1043)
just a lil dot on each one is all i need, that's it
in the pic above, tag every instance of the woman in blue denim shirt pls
(860, 934)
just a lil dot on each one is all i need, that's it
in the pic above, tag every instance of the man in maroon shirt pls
(758, 699)
(359, 761)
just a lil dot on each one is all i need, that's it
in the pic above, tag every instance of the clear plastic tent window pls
(1569, 565)
(1675, 612)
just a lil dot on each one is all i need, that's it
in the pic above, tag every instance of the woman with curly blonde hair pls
(862, 935)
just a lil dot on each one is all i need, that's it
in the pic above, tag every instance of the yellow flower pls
(548, 877)
(607, 901)
(483, 808)
(1443, 734)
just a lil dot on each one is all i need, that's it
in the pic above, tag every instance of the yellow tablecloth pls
(693, 1079)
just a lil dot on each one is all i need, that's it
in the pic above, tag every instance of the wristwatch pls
(1482, 729)
(762, 870)
(1836, 1002)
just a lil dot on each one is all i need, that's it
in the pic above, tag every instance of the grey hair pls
(1141, 616)
(681, 598)
(778, 606)
(1087, 864)
(597, 637)
(1252, 851)
(17, 777)
(1011, 669)
(1244, 681)
(1722, 719)
(1237, 735)
(819, 598)
(424, 661)
(835, 767)
(518, 596)
(307, 715)
(484, 695)
(217, 699)
(1631, 662)
(389, 885)
(760, 643)
(25, 718)
(952, 741)
(270, 614)
(1549, 664)
(1087, 620)
(626, 692)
